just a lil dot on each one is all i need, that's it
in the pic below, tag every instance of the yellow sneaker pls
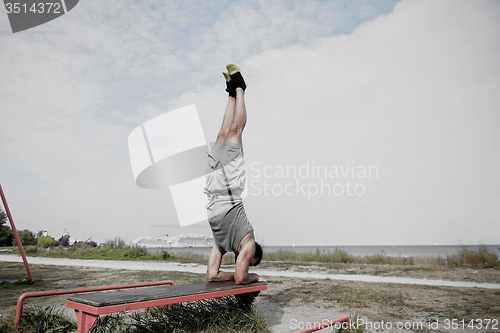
(235, 74)
(232, 68)
(230, 88)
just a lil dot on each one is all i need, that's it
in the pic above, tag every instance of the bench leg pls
(85, 321)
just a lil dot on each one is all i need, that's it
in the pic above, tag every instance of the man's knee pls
(234, 132)
(222, 135)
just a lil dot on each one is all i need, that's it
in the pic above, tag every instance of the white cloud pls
(413, 92)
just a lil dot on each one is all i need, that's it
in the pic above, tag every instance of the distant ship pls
(190, 240)
(146, 241)
(179, 241)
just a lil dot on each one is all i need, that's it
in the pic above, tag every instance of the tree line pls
(26, 236)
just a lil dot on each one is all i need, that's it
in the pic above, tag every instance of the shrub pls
(46, 241)
(133, 253)
(91, 243)
(6, 234)
(466, 257)
(27, 237)
(166, 256)
(63, 240)
(31, 249)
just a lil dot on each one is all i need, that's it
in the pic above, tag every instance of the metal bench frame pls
(87, 314)
(20, 300)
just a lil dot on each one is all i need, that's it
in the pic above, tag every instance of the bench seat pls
(88, 307)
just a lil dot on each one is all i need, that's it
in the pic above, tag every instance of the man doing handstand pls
(225, 183)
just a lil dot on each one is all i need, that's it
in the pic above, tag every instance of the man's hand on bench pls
(245, 277)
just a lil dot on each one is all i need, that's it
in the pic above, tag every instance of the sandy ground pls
(293, 302)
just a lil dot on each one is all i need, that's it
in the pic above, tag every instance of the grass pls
(108, 252)
(347, 295)
(36, 319)
(465, 258)
(19, 284)
(336, 256)
(113, 251)
(83, 251)
(481, 258)
(355, 326)
(224, 314)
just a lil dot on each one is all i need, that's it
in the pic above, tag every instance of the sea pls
(362, 250)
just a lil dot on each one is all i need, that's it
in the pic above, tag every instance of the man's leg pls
(235, 132)
(226, 123)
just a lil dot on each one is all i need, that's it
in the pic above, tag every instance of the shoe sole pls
(232, 69)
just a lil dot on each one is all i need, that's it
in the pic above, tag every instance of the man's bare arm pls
(213, 269)
(241, 275)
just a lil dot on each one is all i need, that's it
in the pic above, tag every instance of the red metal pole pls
(14, 230)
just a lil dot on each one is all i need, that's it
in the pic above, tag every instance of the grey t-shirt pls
(229, 222)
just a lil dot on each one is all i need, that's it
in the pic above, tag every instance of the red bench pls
(88, 307)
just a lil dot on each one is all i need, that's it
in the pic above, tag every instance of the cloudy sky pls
(369, 123)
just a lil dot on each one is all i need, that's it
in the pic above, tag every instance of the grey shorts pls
(229, 222)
